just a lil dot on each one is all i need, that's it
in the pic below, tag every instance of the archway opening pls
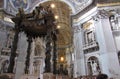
(93, 66)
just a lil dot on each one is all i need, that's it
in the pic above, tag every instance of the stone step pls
(6, 76)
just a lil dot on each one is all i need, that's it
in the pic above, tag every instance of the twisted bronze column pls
(27, 62)
(54, 37)
(48, 55)
(13, 51)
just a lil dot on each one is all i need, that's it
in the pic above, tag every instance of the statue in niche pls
(113, 22)
(95, 68)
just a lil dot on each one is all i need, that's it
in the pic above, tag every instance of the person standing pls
(102, 76)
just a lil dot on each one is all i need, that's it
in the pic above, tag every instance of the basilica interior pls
(59, 39)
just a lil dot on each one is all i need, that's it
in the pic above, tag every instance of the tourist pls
(102, 76)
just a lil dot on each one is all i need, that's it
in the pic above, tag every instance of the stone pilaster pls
(32, 58)
(22, 46)
(108, 54)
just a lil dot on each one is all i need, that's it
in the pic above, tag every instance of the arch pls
(92, 58)
(93, 66)
(65, 1)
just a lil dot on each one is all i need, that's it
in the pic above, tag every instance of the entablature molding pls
(108, 4)
(87, 16)
(88, 9)
(106, 13)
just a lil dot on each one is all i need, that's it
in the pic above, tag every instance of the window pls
(90, 43)
(89, 35)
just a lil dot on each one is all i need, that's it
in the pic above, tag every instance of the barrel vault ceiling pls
(64, 37)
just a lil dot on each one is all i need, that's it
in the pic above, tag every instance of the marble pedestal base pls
(48, 76)
(28, 76)
(7, 76)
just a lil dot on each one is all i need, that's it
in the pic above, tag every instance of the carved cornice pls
(108, 4)
(103, 14)
(80, 5)
(85, 9)
(106, 13)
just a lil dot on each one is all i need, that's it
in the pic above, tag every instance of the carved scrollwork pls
(76, 29)
(101, 14)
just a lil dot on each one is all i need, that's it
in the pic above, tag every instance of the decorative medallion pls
(20, 3)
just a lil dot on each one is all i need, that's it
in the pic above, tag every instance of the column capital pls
(101, 14)
(77, 28)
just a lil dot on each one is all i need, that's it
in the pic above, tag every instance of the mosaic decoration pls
(80, 4)
(13, 5)
(77, 4)
(19, 3)
(32, 1)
